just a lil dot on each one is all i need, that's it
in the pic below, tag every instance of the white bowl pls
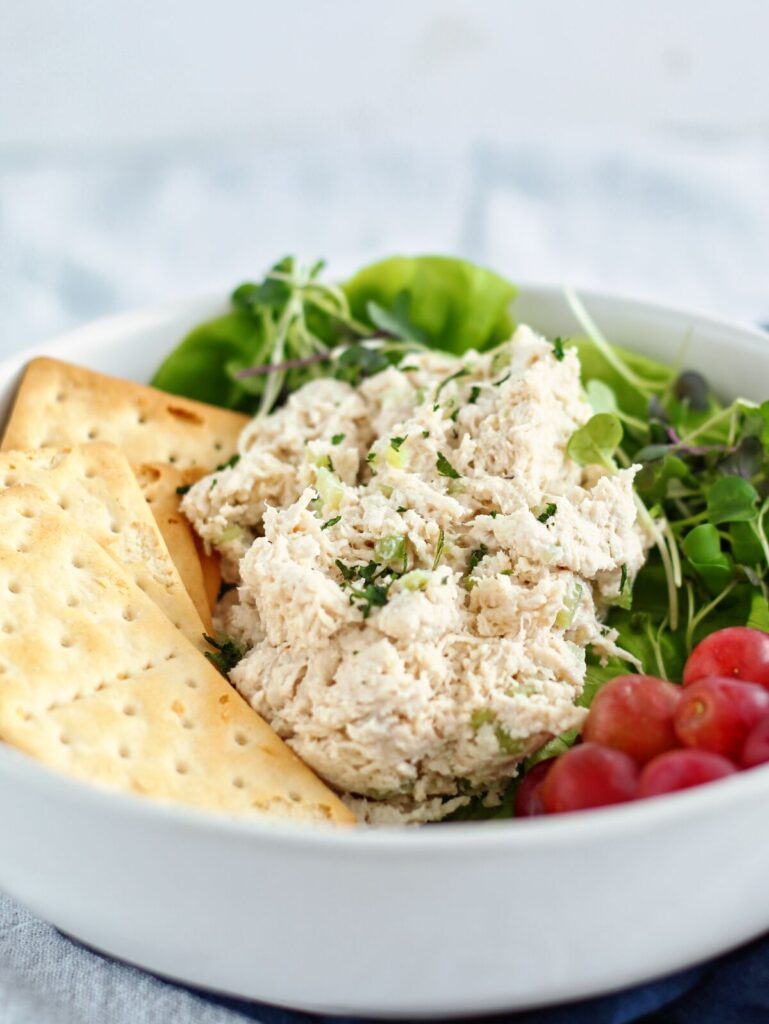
(446, 920)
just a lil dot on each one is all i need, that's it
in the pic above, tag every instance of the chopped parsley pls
(474, 393)
(623, 579)
(558, 349)
(494, 514)
(445, 468)
(371, 457)
(330, 522)
(183, 489)
(439, 549)
(477, 556)
(396, 442)
(375, 579)
(232, 461)
(338, 438)
(425, 433)
(463, 372)
(497, 383)
(549, 511)
(226, 654)
(401, 508)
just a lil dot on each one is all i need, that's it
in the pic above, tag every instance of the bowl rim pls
(21, 770)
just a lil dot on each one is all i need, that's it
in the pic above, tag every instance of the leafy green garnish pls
(445, 468)
(331, 522)
(226, 654)
(558, 349)
(292, 326)
(596, 442)
(731, 500)
(453, 303)
(396, 442)
(337, 439)
(183, 489)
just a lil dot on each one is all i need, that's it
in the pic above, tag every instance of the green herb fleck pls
(396, 442)
(232, 461)
(338, 438)
(331, 522)
(445, 468)
(371, 457)
(558, 349)
(497, 383)
(226, 654)
(462, 372)
(477, 556)
(183, 489)
(549, 511)
(439, 549)
(474, 394)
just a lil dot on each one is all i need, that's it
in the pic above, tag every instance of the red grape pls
(755, 750)
(528, 799)
(738, 652)
(681, 769)
(589, 776)
(634, 714)
(717, 714)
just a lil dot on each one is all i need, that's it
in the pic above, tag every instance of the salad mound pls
(439, 544)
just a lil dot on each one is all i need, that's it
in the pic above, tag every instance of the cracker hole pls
(14, 587)
(93, 434)
(90, 473)
(122, 676)
(171, 655)
(7, 627)
(238, 783)
(64, 739)
(114, 528)
(218, 446)
(22, 549)
(241, 739)
(129, 614)
(123, 751)
(77, 563)
(192, 683)
(148, 665)
(129, 710)
(186, 415)
(182, 768)
(100, 687)
(141, 419)
(72, 601)
(187, 723)
(61, 397)
(10, 480)
(296, 797)
(173, 458)
(28, 513)
(63, 504)
(66, 641)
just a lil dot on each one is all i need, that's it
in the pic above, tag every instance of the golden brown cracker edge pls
(61, 404)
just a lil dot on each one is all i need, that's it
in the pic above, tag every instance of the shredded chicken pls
(420, 569)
